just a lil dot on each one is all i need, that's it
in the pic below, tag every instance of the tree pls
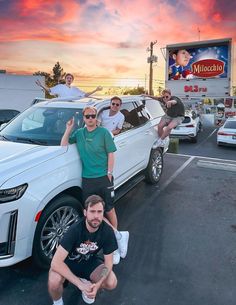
(134, 91)
(58, 73)
(54, 78)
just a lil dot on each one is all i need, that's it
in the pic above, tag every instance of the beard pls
(95, 223)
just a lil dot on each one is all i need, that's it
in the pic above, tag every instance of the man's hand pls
(93, 291)
(70, 124)
(170, 103)
(99, 88)
(109, 177)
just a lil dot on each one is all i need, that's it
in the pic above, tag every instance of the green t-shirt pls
(93, 147)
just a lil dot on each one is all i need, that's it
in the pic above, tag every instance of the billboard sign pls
(203, 62)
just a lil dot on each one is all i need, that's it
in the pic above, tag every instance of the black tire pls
(154, 169)
(55, 220)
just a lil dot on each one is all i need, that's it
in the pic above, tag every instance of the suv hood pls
(16, 158)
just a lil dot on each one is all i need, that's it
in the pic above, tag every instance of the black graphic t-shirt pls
(81, 244)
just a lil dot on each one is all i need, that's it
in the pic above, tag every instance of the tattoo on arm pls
(104, 272)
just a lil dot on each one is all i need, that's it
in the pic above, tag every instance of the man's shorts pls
(177, 120)
(101, 186)
(84, 268)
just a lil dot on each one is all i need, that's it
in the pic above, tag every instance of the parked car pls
(226, 134)
(189, 128)
(7, 114)
(40, 181)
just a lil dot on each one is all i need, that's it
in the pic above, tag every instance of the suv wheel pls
(155, 166)
(53, 223)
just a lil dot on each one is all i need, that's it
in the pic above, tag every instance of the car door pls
(133, 143)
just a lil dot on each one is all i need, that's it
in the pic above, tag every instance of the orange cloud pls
(81, 33)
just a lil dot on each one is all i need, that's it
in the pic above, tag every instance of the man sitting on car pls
(174, 114)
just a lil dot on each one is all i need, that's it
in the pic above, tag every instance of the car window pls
(230, 124)
(154, 108)
(7, 114)
(142, 114)
(186, 120)
(135, 115)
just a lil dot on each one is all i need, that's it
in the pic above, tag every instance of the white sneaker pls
(85, 298)
(160, 142)
(122, 238)
(116, 257)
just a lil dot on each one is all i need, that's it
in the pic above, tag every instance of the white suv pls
(40, 181)
(189, 128)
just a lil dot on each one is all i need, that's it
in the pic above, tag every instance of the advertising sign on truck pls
(201, 68)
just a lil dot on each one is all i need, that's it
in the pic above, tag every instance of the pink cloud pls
(217, 17)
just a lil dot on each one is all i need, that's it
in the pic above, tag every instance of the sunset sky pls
(106, 41)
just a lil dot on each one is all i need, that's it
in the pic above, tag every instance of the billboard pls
(201, 68)
(200, 62)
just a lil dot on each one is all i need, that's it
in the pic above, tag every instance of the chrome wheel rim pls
(156, 165)
(55, 227)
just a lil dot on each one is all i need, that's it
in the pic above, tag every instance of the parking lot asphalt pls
(181, 250)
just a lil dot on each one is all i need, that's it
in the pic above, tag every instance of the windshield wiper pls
(4, 138)
(27, 140)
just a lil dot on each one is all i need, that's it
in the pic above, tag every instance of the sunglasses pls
(114, 104)
(88, 116)
(166, 96)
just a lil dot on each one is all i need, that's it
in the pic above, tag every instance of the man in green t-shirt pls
(96, 149)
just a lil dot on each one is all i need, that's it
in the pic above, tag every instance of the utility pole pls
(199, 33)
(152, 58)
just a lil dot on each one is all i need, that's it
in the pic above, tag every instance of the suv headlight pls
(13, 193)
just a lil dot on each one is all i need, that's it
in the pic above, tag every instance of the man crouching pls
(76, 259)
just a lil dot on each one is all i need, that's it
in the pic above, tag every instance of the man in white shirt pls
(112, 119)
(67, 90)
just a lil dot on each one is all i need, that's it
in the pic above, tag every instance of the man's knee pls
(111, 212)
(111, 282)
(55, 281)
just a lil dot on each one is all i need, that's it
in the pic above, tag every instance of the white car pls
(40, 181)
(226, 134)
(189, 128)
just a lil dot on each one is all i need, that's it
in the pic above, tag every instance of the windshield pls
(230, 124)
(41, 125)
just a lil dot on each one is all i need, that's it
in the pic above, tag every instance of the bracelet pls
(109, 173)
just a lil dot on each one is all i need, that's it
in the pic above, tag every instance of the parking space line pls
(202, 157)
(179, 170)
(217, 165)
